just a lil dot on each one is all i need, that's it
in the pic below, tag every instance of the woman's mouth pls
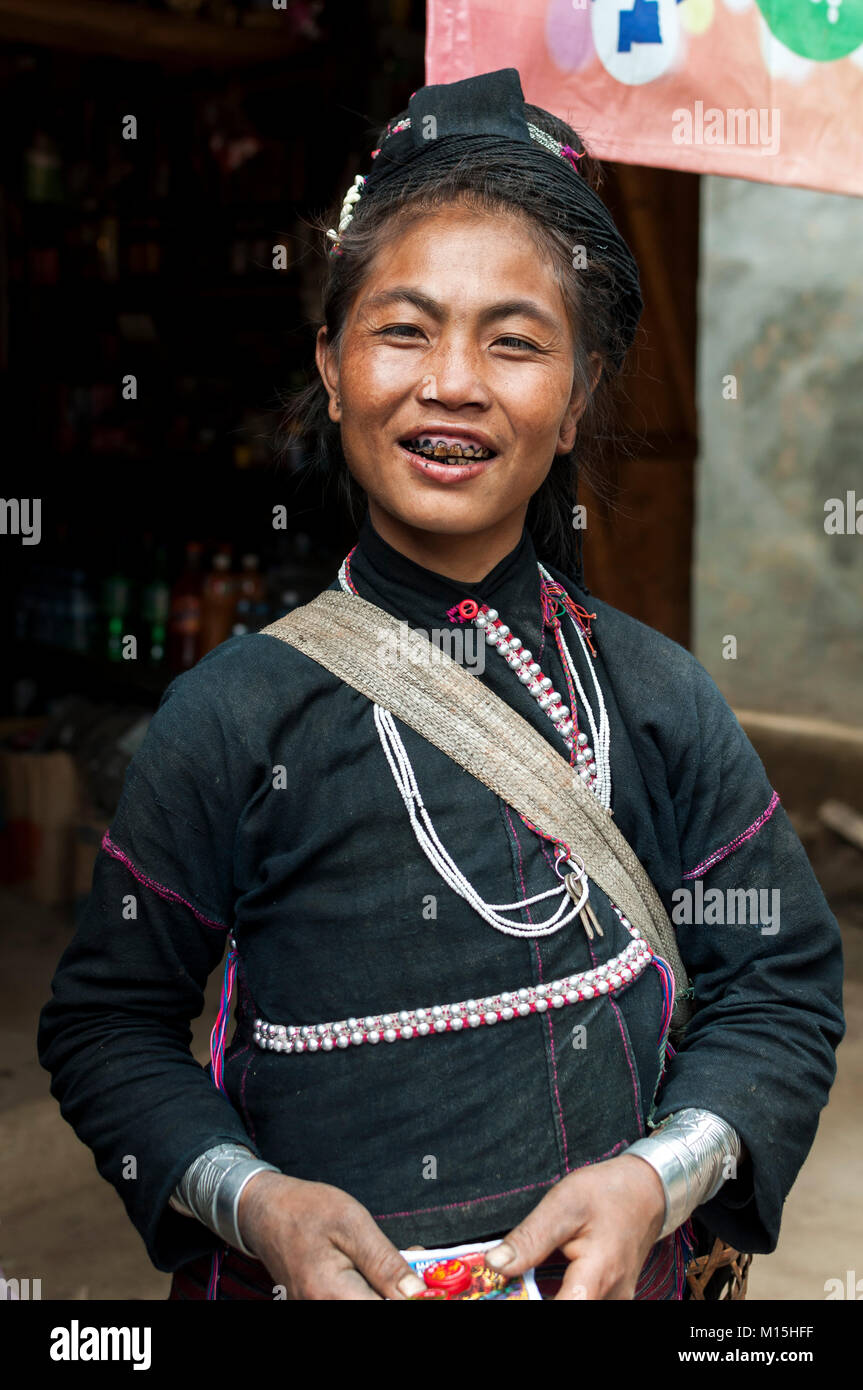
(447, 460)
(446, 450)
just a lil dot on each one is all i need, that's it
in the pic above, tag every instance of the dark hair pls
(489, 184)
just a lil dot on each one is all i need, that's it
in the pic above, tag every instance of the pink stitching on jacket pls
(512, 1191)
(250, 1124)
(633, 1073)
(167, 893)
(548, 1016)
(619, 1018)
(554, 1069)
(472, 1201)
(636, 1090)
(734, 844)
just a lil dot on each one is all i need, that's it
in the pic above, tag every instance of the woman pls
(479, 302)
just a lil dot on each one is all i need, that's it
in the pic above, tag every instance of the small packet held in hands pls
(460, 1274)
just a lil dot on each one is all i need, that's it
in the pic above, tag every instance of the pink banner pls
(771, 90)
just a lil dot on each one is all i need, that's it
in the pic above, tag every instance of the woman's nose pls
(453, 376)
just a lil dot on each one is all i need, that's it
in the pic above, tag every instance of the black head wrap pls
(457, 121)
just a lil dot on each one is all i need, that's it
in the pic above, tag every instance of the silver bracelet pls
(690, 1151)
(211, 1187)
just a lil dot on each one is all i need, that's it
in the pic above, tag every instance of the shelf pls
(89, 673)
(93, 26)
(155, 287)
(165, 212)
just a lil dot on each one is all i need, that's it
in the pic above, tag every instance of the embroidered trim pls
(734, 844)
(167, 893)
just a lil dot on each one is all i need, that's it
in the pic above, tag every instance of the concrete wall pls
(781, 309)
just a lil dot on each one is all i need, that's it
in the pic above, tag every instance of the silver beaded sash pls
(611, 978)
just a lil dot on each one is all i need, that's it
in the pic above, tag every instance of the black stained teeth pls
(438, 449)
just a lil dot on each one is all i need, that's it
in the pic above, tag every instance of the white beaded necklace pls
(421, 822)
(442, 861)
(601, 733)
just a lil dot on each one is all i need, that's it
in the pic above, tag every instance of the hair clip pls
(553, 146)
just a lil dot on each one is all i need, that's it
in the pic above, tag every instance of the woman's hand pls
(605, 1218)
(319, 1242)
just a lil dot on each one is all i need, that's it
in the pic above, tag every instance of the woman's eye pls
(397, 329)
(519, 342)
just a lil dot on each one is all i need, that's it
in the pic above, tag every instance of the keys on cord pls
(587, 916)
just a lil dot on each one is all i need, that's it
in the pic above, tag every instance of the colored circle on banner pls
(806, 26)
(696, 16)
(636, 42)
(567, 34)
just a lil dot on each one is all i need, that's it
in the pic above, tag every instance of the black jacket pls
(336, 911)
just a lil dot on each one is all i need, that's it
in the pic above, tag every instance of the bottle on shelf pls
(251, 584)
(81, 613)
(218, 602)
(184, 623)
(115, 607)
(243, 618)
(43, 181)
(108, 249)
(156, 609)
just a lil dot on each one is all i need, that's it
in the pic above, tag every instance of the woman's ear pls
(569, 428)
(577, 406)
(595, 370)
(329, 376)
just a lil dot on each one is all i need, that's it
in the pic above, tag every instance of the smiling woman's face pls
(458, 334)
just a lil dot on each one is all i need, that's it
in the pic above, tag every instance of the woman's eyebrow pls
(506, 308)
(402, 294)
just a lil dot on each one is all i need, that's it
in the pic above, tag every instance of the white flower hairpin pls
(352, 197)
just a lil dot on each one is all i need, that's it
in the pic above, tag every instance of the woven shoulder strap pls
(450, 708)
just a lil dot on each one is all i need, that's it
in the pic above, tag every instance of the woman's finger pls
(596, 1274)
(552, 1223)
(377, 1259)
(581, 1280)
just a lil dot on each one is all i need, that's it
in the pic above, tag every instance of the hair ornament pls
(352, 197)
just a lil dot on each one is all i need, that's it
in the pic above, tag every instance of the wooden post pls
(638, 551)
